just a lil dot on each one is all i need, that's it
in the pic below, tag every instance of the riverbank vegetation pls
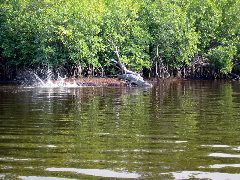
(185, 38)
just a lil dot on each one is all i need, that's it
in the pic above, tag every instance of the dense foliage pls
(176, 34)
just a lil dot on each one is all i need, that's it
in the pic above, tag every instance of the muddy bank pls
(110, 81)
(92, 81)
(98, 82)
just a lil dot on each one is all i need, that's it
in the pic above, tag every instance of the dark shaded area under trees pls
(185, 38)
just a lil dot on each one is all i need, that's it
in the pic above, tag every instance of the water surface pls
(176, 130)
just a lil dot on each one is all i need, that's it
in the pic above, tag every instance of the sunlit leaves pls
(83, 32)
(222, 58)
(123, 29)
(172, 32)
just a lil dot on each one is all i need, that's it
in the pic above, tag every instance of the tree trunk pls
(133, 78)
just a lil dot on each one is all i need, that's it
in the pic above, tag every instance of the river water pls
(175, 130)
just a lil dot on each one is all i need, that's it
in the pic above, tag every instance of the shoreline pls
(113, 81)
(86, 81)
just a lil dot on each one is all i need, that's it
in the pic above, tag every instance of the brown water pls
(172, 131)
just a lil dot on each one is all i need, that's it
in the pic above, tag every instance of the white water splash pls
(45, 77)
(49, 82)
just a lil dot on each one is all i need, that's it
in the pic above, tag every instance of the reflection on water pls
(42, 178)
(224, 165)
(97, 172)
(224, 155)
(204, 175)
(216, 145)
(173, 130)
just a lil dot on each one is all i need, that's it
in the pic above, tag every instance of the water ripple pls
(204, 175)
(97, 172)
(224, 155)
(42, 178)
(218, 166)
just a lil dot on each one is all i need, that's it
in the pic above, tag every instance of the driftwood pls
(133, 78)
